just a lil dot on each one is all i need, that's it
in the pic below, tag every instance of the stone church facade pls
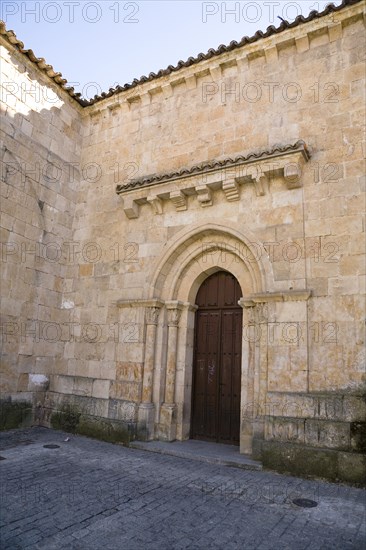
(185, 256)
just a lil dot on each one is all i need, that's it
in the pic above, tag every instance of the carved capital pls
(174, 317)
(258, 312)
(152, 315)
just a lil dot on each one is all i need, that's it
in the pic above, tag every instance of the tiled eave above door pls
(202, 181)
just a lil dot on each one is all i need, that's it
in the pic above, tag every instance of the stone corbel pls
(167, 91)
(260, 183)
(95, 113)
(131, 208)
(216, 73)
(179, 200)
(156, 204)
(271, 54)
(145, 98)
(191, 82)
(281, 162)
(231, 190)
(113, 107)
(292, 175)
(204, 195)
(335, 31)
(302, 43)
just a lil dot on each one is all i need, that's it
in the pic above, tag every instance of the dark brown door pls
(217, 360)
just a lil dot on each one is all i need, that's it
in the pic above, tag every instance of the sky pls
(99, 44)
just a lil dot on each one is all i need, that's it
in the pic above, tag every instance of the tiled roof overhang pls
(277, 151)
(204, 180)
(271, 30)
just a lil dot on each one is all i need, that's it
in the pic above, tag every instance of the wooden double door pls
(217, 361)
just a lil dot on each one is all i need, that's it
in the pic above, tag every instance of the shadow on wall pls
(40, 160)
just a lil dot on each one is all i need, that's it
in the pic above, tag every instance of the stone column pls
(247, 405)
(146, 411)
(168, 420)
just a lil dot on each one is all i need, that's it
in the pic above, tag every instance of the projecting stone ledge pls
(282, 296)
(204, 180)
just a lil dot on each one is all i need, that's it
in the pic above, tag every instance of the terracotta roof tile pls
(206, 166)
(271, 30)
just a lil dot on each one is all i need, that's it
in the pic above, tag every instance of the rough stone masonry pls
(247, 161)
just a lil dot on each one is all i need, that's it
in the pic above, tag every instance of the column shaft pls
(171, 365)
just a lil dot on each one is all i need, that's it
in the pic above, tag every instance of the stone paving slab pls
(92, 495)
(203, 451)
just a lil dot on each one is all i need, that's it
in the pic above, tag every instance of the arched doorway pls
(217, 360)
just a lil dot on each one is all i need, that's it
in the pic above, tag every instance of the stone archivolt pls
(202, 181)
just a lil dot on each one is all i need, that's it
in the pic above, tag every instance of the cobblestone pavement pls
(92, 495)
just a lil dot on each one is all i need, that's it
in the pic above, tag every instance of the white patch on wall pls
(67, 304)
(38, 382)
(38, 379)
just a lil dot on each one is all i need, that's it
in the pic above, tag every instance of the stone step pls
(202, 451)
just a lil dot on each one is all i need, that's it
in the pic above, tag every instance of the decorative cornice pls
(41, 64)
(207, 167)
(204, 179)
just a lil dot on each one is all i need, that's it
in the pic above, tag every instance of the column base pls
(145, 422)
(168, 422)
(246, 444)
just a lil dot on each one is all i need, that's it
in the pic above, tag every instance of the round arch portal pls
(190, 258)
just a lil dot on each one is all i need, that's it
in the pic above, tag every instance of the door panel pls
(217, 361)
(206, 374)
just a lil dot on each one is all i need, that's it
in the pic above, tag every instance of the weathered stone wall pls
(287, 219)
(41, 144)
(305, 85)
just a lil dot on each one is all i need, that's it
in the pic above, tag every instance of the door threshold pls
(202, 451)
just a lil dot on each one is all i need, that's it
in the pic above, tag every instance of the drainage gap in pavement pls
(305, 502)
